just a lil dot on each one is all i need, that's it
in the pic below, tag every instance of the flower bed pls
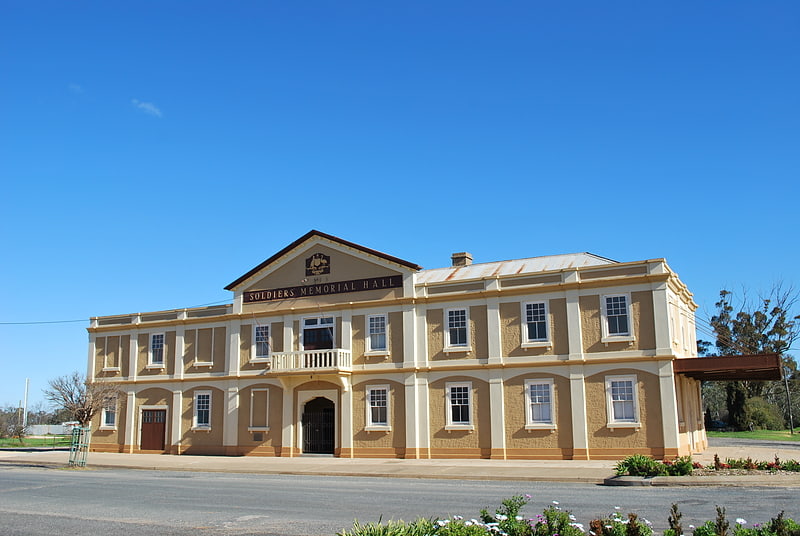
(640, 465)
(553, 521)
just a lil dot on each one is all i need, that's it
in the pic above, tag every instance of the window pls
(622, 401)
(259, 410)
(157, 349)
(202, 409)
(378, 407)
(318, 333)
(539, 401)
(376, 325)
(535, 329)
(459, 403)
(457, 334)
(109, 417)
(616, 317)
(262, 345)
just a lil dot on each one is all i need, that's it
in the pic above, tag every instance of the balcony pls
(333, 360)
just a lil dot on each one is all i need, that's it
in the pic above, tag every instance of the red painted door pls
(154, 428)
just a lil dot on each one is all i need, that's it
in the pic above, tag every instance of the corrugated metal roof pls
(532, 265)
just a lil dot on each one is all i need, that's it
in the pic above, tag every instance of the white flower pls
(616, 508)
(740, 521)
(442, 522)
(572, 518)
(518, 518)
(555, 502)
(691, 527)
(502, 517)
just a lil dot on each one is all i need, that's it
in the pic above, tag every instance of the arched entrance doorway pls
(318, 426)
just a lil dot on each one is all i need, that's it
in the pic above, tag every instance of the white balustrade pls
(312, 360)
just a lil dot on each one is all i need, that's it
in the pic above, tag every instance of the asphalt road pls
(36, 501)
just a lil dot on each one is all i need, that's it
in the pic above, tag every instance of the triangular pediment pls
(317, 265)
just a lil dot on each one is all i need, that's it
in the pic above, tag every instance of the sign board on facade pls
(322, 289)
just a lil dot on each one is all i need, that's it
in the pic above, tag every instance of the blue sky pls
(153, 152)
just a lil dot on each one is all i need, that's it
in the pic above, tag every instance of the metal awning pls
(725, 368)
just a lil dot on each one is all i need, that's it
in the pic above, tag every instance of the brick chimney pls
(461, 259)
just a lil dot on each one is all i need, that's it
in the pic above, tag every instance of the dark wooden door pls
(154, 428)
(318, 426)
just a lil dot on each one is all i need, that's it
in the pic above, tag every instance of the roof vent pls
(461, 259)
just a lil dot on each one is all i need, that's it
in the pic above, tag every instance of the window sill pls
(537, 344)
(155, 367)
(108, 428)
(455, 349)
(377, 353)
(202, 364)
(612, 425)
(541, 426)
(468, 427)
(378, 428)
(618, 338)
(258, 428)
(261, 360)
(110, 369)
(201, 428)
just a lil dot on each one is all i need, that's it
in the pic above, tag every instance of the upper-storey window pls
(617, 317)
(536, 322)
(318, 333)
(262, 342)
(376, 342)
(457, 332)
(156, 349)
(109, 413)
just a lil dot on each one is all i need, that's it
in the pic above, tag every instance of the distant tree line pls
(11, 421)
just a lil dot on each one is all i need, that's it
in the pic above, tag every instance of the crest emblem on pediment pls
(318, 264)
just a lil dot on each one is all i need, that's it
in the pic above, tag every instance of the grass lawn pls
(50, 441)
(763, 435)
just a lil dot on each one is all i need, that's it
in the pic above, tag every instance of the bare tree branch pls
(79, 397)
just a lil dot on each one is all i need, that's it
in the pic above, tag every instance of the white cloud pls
(75, 88)
(147, 107)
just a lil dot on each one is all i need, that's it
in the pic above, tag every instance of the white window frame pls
(196, 425)
(536, 343)
(448, 345)
(253, 428)
(109, 409)
(254, 357)
(204, 364)
(371, 425)
(369, 348)
(616, 337)
(613, 421)
(331, 325)
(530, 423)
(111, 367)
(152, 363)
(460, 425)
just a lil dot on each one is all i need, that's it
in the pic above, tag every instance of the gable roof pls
(314, 233)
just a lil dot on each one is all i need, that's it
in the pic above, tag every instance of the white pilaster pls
(91, 366)
(130, 420)
(287, 420)
(574, 331)
(498, 412)
(494, 331)
(347, 329)
(133, 355)
(661, 319)
(346, 409)
(409, 336)
(669, 405)
(180, 346)
(230, 431)
(577, 393)
(232, 347)
(176, 434)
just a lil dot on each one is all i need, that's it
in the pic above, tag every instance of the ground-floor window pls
(202, 409)
(459, 405)
(378, 406)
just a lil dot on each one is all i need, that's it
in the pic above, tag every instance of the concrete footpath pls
(585, 471)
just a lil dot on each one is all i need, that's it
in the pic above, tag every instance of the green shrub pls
(764, 415)
(616, 525)
(640, 465)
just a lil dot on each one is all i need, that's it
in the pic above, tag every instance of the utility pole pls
(25, 407)
(788, 398)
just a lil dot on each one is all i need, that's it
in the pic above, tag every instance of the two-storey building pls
(332, 347)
